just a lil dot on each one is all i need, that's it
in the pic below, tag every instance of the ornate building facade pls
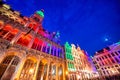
(70, 68)
(27, 51)
(79, 65)
(107, 61)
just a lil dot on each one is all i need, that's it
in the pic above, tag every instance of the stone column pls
(48, 69)
(50, 75)
(63, 71)
(42, 46)
(36, 70)
(42, 73)
(57, 72)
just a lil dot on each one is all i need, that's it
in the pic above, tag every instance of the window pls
(116, 65)
(113, 54)
(3, 32)
(112, 60)
(102, 63)
(51, 51)
(48, 49)
(105, 56)
(10, 36)
(28, 69)
(119, 52)
(116, 59)
(39, 47)
(97, 59)
(97, 67)
(54, 52)
(109, 55)
(44, 48)
(94, 62)
(102, 57)
(116, 53)
(104, 72)
(34, 45)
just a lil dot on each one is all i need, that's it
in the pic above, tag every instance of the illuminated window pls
(40, 70)
(24, 39)
(10, 63)
(44, 48)
(60, 53)
(28, 70)
(54, 52)
(48, 49)
(34, 45)
(3, 32)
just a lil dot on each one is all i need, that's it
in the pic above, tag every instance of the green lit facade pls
(69, 57)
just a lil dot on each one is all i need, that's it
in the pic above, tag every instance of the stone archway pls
(42, 70)
(8, 66)
(28, 69)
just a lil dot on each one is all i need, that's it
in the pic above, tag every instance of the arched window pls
(42, 71)
(28, 70)
(7, 67)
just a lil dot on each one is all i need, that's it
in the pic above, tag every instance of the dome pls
(40, 13)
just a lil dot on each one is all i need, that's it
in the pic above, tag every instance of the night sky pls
(92, 24)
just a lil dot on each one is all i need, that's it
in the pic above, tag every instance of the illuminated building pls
(107, 61)
(27, 51)
(84, 66)
(78, 65)
(70, 68)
